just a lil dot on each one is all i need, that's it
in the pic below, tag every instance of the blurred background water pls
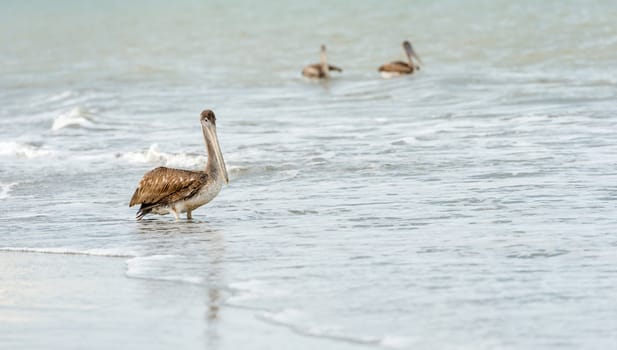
(471, 205)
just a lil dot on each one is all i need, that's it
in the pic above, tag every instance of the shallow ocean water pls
(472, 205)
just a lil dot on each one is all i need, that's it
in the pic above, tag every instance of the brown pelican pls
(322, 69)
(397, 68)
(164, 190)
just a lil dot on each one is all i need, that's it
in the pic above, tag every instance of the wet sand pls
(59, 301)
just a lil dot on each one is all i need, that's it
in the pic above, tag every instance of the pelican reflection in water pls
(164, 190)
(398, 68)
(322, 69)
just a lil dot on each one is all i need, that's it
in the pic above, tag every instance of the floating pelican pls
(398, 68)
(164, 190)
(322, 69)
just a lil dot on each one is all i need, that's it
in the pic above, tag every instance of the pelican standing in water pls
(398, 68)
(322, 69)
(164, 190)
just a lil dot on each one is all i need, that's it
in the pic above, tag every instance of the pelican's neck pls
(324, 62)
(213, 167)
(407, 50)
(409, 60)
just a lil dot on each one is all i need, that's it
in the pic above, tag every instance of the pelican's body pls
(398, 68)
(165, 190)
(316, 71)
(322, 69)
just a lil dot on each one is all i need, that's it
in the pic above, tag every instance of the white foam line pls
(5, 189)
(187, 280)
(68, 251)
(76, 118)
(22, 150)
(141, 267)
(155, 156)
(283, 319)
(276, 319)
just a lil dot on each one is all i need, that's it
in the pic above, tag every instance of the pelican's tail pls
(335, 68)
(143, 211)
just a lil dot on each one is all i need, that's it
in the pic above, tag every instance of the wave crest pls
(22, 150)
(155, 156)
(76, 118)
(5, 189)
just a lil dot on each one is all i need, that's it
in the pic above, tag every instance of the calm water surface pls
(471, 206)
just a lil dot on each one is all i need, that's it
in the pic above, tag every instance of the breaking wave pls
(5, 189)
(76, 118)
(155, 156)
(22, 150)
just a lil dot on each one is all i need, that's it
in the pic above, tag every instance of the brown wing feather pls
(313, 71)
(397, 66)
(316, 71)
(164, 185)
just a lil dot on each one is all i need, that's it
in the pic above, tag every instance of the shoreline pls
(87, 301)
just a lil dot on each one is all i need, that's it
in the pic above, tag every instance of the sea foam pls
(5, 188)
(22, 150)
(71, 251)
(153, 268)
(76, 118)
(300, 322)
(155, 156)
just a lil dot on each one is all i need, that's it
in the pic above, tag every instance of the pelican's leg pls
(189, 215)
(173, 210)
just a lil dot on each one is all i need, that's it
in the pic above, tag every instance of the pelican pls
(398, 68)
(322, 69)
(164, 190)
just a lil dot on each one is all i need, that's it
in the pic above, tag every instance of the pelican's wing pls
(313, 71)
(164, 185)
(397, 67)
(334, 68)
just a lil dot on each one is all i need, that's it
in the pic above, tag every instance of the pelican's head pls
(410, 52)
(208, 127)
(208, 116)
(322, 52)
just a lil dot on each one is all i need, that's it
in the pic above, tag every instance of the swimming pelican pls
(398, 68)
(164, 190)
(322, 69)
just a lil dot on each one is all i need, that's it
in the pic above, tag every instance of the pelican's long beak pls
(209, 131)
(411, 53)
